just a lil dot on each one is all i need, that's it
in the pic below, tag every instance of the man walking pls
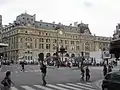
(44, 71)
(105, 70)
(109, 68)
(22, 65)
(87, 74)
(82, 73)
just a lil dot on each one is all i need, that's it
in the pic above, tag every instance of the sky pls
(101, 15)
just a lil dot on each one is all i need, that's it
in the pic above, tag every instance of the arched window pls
(28, 39)
(21, 39)
(87, 46)
(48, 55)
(72, 55)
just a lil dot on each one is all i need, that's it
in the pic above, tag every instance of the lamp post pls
(62, 51)
(57, 43)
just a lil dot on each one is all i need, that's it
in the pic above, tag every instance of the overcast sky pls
(101, 15)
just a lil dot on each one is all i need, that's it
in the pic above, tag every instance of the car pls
(111, 81)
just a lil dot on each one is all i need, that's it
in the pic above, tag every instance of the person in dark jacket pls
(44, 71)
(109, 68)
(82, 73)
(105, 70)
(87, 73)
(23, 67)
(7, 81)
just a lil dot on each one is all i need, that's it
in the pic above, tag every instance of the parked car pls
(6, 62)
(111, 81)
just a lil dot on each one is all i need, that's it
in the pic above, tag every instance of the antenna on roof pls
(25, 11)
(81, 21)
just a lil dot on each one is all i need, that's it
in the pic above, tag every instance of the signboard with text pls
(106, 55)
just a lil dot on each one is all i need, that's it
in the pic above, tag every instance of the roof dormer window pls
(23, 18)
(26, 32)
(46, 25)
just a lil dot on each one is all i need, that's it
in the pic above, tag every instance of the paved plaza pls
(62, 78)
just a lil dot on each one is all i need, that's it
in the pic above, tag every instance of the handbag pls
(3, 81)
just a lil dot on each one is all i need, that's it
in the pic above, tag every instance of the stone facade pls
(27, 38)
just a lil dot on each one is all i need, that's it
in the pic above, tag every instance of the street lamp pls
(57, 49)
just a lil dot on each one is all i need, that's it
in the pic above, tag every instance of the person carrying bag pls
(6, 82)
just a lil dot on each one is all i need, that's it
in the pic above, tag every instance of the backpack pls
(4, 81)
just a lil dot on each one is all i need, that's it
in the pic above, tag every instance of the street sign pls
(106, 55)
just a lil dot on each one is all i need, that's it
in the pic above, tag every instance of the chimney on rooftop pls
(70, 24)
(41, 20)
(75, 24)
(53, 22)
(59, 23)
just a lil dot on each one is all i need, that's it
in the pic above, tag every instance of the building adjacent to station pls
(27, 38)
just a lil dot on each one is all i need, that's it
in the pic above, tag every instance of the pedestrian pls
(87, 74)
(22, 65)
(44, 71)
(82, 73)
(104, 70)
(7, 81)
(109, 68)
(0, 64)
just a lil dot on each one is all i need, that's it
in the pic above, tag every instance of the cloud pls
(3, 2)
(101, 15)
(88, 4)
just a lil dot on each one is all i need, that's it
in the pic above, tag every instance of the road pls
(58, 79)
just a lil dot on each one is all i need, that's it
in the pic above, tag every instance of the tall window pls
(41, 40)
(47, 40)
(54, 47)
(66, 41)
(77, 42)
(25, 57)
(61, 41)
(35, 43)
(28, 45)
(54, 40)
(28, 57)
(72, 42)
(31, 57)
(41, 46)
(77, 48)
(47, 46)
(87, 46)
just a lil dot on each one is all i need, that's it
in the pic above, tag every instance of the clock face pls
(60, 32)
(28, 24)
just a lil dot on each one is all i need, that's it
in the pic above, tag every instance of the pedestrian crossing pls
(66, 86)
